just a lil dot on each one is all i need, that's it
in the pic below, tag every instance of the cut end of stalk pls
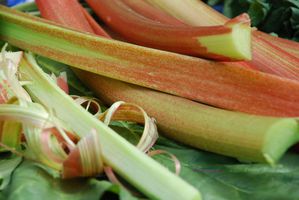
(235, 45)
(279, 138)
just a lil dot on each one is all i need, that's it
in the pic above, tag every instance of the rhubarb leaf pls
(281, 17)
(130, 131)
(7, 166)
(32, 182)
(224, 178)
(27, 7)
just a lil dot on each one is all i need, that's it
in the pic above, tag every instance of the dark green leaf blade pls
(32, 182)
(219, 177)
(7, 166)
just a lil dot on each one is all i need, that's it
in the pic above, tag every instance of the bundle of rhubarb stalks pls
(174, 66)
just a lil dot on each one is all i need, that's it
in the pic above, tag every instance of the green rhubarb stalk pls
(10, 130)
(219, 84)
(138, 169)
(33, 114)
(10, 134)
(50, 66)
(268, 54)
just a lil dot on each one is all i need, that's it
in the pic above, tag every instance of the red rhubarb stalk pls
(148, 11)
(214, 83)
(228, 42)
(285, 44)
(198, 13)
(97, 29)
(75, 15)
(269, 55)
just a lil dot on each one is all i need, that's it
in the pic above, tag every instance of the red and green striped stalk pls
(196, 8)
(218, 84)
(268, 54)
(243, 136)
(145, 9)
(78, 17)
(231, 41)
(198, 13)
(287, 45)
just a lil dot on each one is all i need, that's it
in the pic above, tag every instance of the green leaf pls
(26, 7)
(258, 11)
(295, 18)
(233, 8)
(129, 131)
(214, 2)
(32, 182)
(219, 177)
(269, 16)
(7, 166)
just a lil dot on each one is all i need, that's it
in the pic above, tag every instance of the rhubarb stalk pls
(73, 18)
(218, 84)
(195, 124)
(243, 136)
(198, 13)
(228, 42)
(10, 129)
(145, 9)
(137, 168)
(177, 9)
(285, 44)
(268, 54)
